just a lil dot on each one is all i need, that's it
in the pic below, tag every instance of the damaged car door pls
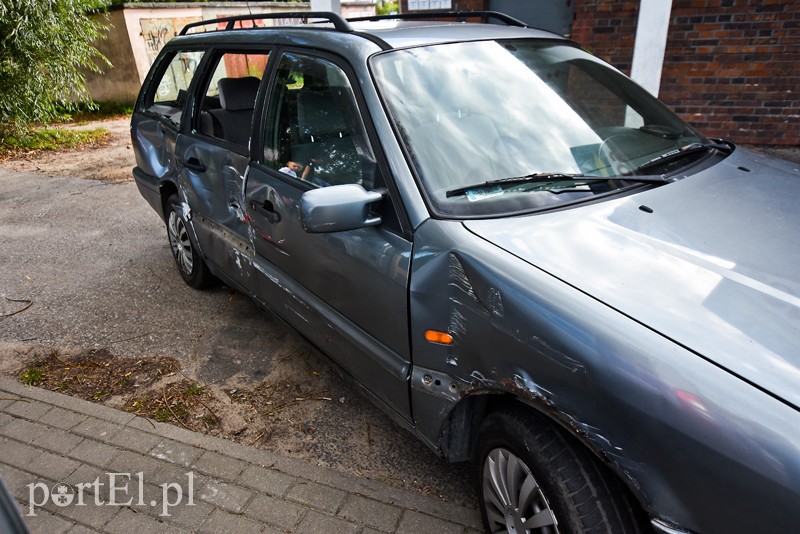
(214, 158)
(157, 124)
(340, 280)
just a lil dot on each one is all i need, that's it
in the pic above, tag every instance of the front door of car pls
(214, 158)
(345, 291)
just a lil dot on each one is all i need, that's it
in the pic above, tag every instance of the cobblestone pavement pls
(74, 466)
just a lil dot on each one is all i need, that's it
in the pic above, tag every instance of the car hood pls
(711, 261)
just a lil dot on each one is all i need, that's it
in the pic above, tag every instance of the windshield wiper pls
(548, 177)
(678, 153)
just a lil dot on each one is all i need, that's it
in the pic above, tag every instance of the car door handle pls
(193, 164)
(267, 210)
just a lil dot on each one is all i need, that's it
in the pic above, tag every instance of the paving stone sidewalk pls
(121, 473)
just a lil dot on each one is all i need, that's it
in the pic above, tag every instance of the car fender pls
(668, 422)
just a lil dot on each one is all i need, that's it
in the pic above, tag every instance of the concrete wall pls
(358, 8)
(119, 83)
(137, 32)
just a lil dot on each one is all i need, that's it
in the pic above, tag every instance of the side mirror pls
(337, 208)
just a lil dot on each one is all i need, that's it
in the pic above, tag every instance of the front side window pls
(169, 96)
(226, 110)
(315, 132)
(478, 112)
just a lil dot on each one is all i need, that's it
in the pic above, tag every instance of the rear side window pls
(169, 96)
(226, 110)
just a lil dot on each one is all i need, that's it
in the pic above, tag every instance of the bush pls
(43, 48)
(386, 7)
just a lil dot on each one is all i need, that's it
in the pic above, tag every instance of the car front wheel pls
(193, 269)
(532, 478)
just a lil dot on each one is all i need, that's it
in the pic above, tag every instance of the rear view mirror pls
(337, 208)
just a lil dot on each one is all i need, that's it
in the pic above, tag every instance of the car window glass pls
(315, 132)
(597, 103)
(169, 98)
(564, 113)
(226, 111)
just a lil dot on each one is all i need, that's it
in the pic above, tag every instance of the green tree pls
(45, 46)
(385, 7)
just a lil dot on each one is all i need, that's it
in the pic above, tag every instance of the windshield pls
(478, 112)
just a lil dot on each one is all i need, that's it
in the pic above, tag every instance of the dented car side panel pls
(345, 291)
(154, 150)
(215, 196)
(668, 428)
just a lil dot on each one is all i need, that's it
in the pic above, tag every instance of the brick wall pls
(607, 28)
(734, 70)
(731, 68)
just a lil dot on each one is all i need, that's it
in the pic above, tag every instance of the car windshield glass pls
(478, 112)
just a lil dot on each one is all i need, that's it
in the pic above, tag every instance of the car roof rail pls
(436, 15)
(339, 23)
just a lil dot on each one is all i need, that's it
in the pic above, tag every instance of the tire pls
(523, 457)
(190, 263)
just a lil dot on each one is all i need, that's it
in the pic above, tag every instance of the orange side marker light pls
(435, 336)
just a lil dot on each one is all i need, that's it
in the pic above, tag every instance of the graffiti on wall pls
(156, 33)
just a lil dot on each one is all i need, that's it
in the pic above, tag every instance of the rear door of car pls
(214, 156)
(345, 291)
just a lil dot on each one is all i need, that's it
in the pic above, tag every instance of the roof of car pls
(400, 33)
(388, 32)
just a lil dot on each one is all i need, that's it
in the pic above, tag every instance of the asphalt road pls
(93, 258)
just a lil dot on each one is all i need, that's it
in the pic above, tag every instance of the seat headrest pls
(236, 94)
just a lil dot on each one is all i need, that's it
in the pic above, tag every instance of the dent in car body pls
(154, 149)
(354, 283)
(215, 196)
(668, 426)
(713, 267)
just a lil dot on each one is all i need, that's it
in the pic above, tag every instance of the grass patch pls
(32, 376)
(49, 138)
(194, 389)
(96, 375)
(17, 141)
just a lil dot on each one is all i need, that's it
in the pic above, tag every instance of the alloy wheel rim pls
(513, 500)
(180, 243)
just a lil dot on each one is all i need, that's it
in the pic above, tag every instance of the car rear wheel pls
(532, 478)
(193, 269)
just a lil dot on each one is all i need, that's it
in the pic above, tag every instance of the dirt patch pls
(183, 403)
(155, 387)
(110, 161)
(95, 375)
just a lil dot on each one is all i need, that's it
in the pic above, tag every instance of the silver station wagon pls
(514, 250)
